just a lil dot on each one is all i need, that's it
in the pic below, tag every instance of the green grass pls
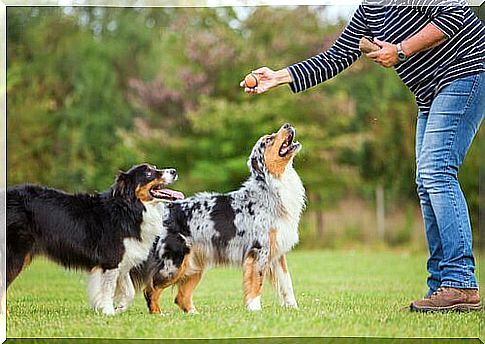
(339, 293)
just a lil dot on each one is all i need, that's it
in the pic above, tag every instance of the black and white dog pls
(106, 233)
(253, 227)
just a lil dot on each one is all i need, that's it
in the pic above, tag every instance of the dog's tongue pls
(168, 193)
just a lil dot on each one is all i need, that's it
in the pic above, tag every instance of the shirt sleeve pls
(338, 57)
(446, 15)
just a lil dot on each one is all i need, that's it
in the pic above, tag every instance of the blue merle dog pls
(253, 227)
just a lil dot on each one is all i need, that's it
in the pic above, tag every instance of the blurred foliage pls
(92, 90)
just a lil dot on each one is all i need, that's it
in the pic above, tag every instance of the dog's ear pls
(255, 166)
(256, 160)
(121, 183)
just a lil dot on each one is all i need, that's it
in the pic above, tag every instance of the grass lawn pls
(339, 293)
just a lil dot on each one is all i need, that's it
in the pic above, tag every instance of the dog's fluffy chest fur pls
(291, 194)
(136, 251)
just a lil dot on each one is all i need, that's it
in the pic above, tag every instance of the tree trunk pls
(319, 218)
(320, 224)
(380, 212)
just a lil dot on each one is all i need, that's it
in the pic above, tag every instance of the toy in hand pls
(367, 45)
(251, 81)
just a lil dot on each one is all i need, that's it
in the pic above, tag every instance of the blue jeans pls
(443, 138)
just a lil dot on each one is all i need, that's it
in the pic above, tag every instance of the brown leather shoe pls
(449, 299)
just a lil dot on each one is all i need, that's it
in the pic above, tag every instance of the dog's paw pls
(290, 304)
(121, 308)
(108, 311)
(193, 311)
(254, 305)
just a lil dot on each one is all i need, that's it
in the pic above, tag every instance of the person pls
(438, 52)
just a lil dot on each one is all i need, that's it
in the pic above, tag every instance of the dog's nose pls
(172, 171)
(286, 126)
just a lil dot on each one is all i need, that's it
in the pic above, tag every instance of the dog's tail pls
(163, 262)
(19, 236)
(142, 275)
(138, 277)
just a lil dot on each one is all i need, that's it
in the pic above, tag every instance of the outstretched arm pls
(321, 67)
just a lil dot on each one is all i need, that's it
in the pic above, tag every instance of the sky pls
(332, 14)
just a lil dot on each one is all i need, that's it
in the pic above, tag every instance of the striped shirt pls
(425, 73)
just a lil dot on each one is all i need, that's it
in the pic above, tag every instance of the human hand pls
(386, 56)
(267, 79)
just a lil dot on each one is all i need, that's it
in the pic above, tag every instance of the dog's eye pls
(149, 174)
(269, 139)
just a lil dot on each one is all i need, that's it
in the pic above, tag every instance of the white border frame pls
(105, 3)
(3, 169)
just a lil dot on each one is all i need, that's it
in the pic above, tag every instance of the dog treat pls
(251, 80)
(367, 45)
